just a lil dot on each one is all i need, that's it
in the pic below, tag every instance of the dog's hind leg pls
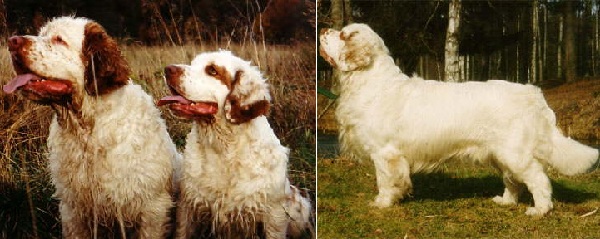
(393, 177)
(539, 185)
(524, 168)
(512, 190)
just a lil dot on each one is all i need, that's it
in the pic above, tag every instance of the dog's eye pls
(211, 71)
(59, 40)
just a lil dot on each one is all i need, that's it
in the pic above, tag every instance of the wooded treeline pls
(544, 42)
(172, 21)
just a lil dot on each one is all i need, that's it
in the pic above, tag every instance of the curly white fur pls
(110, 156)
(407, 124)
(234, 174)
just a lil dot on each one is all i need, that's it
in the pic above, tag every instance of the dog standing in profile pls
(407, 124)
(234, 182)
(110, 156)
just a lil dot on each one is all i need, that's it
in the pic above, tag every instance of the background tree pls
(570, 27)
(155, 22)
(337, 14)
(452, 70)
(535, 33)
(519, 41)
(3, 26)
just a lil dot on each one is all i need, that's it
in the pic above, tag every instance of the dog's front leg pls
(393, 177)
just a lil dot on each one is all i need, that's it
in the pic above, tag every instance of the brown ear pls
(249, 97)
(105, 68)
(356, 55)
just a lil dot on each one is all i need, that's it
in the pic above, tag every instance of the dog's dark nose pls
(15, 42)
(172, 71)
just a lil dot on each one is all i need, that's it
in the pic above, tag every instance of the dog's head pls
(217, 85)
(68, 59)
(352, 48)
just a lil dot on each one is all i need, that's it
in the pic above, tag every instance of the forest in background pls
(544, 42)
(554, 44)
(150, 22)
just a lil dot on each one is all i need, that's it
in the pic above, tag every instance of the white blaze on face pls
(198, 85)
(57, 49)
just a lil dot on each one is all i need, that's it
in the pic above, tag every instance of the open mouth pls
(182, 107)
(36, 86)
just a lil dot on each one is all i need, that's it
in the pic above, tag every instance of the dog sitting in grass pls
(234, 182)
(109, 154)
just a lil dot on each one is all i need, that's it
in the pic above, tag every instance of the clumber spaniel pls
(110, 156)
(235, 169)
(407, 124)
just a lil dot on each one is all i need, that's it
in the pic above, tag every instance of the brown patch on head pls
(346, 36)
(323, 31)
(241, 114)
(356, 54)
(105, 68)
(220, 73)
(173, 75)
(19, 48)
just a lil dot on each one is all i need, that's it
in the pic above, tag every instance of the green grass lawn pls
(454, 202)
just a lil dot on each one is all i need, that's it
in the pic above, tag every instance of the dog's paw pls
(381, 202)
(503, 201)
(536, 212)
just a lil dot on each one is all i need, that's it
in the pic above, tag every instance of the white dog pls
(235, 169)
(407, 125)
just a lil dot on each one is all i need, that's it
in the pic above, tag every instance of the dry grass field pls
(27, 209)
(577, 108)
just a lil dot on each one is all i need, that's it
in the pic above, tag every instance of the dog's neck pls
(371, 74)
(81, 112)
(224, 134)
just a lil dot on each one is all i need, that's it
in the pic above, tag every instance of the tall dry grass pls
(27, 209)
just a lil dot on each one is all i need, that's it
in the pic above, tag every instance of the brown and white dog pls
(110, 156)
(235, 169)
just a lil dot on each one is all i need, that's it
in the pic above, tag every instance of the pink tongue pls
(18, 81)
(173, 99)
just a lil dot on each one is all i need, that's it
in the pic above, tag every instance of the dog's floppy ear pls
(355, 55)
(249, 97)
(105, 68)
(359, 49)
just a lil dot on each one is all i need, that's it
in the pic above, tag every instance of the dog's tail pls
(299, 210)
(570, 157)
